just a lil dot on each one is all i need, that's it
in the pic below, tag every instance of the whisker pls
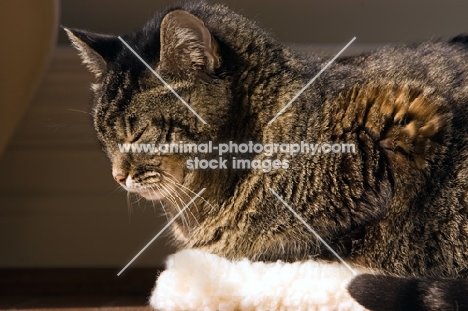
(119, 188)
(173, 200)
(164, 209)
(188, 208)
(175, 195)
(129, 206)
(138, 200)
(81, 111)
(161, 203)
(174, 181)
(178, 188)
(152, 201)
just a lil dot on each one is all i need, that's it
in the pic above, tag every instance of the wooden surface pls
(75, 303)
(76, 289)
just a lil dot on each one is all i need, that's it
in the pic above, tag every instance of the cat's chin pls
(152, 195)
(146, 192)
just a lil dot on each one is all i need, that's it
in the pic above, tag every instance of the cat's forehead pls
(145, 96)
(120, 86)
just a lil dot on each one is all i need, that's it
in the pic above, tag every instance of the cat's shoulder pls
(409, 121)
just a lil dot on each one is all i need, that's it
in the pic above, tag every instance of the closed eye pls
(138, 135)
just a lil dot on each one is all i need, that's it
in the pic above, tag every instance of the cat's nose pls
(120, 178)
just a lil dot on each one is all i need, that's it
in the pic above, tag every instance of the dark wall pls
(299, 21)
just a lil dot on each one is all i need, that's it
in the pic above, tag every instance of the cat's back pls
(435, 64)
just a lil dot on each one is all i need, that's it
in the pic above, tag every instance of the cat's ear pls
(187, 46)
(96, 50)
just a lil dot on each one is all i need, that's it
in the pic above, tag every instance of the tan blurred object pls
(28, 31)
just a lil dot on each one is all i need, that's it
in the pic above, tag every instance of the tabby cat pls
(398, 204)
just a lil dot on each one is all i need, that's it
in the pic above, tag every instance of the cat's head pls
(133, 106)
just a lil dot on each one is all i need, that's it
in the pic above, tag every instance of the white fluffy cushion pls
(196, 280)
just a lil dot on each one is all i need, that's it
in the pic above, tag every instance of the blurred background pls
(59, 206)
